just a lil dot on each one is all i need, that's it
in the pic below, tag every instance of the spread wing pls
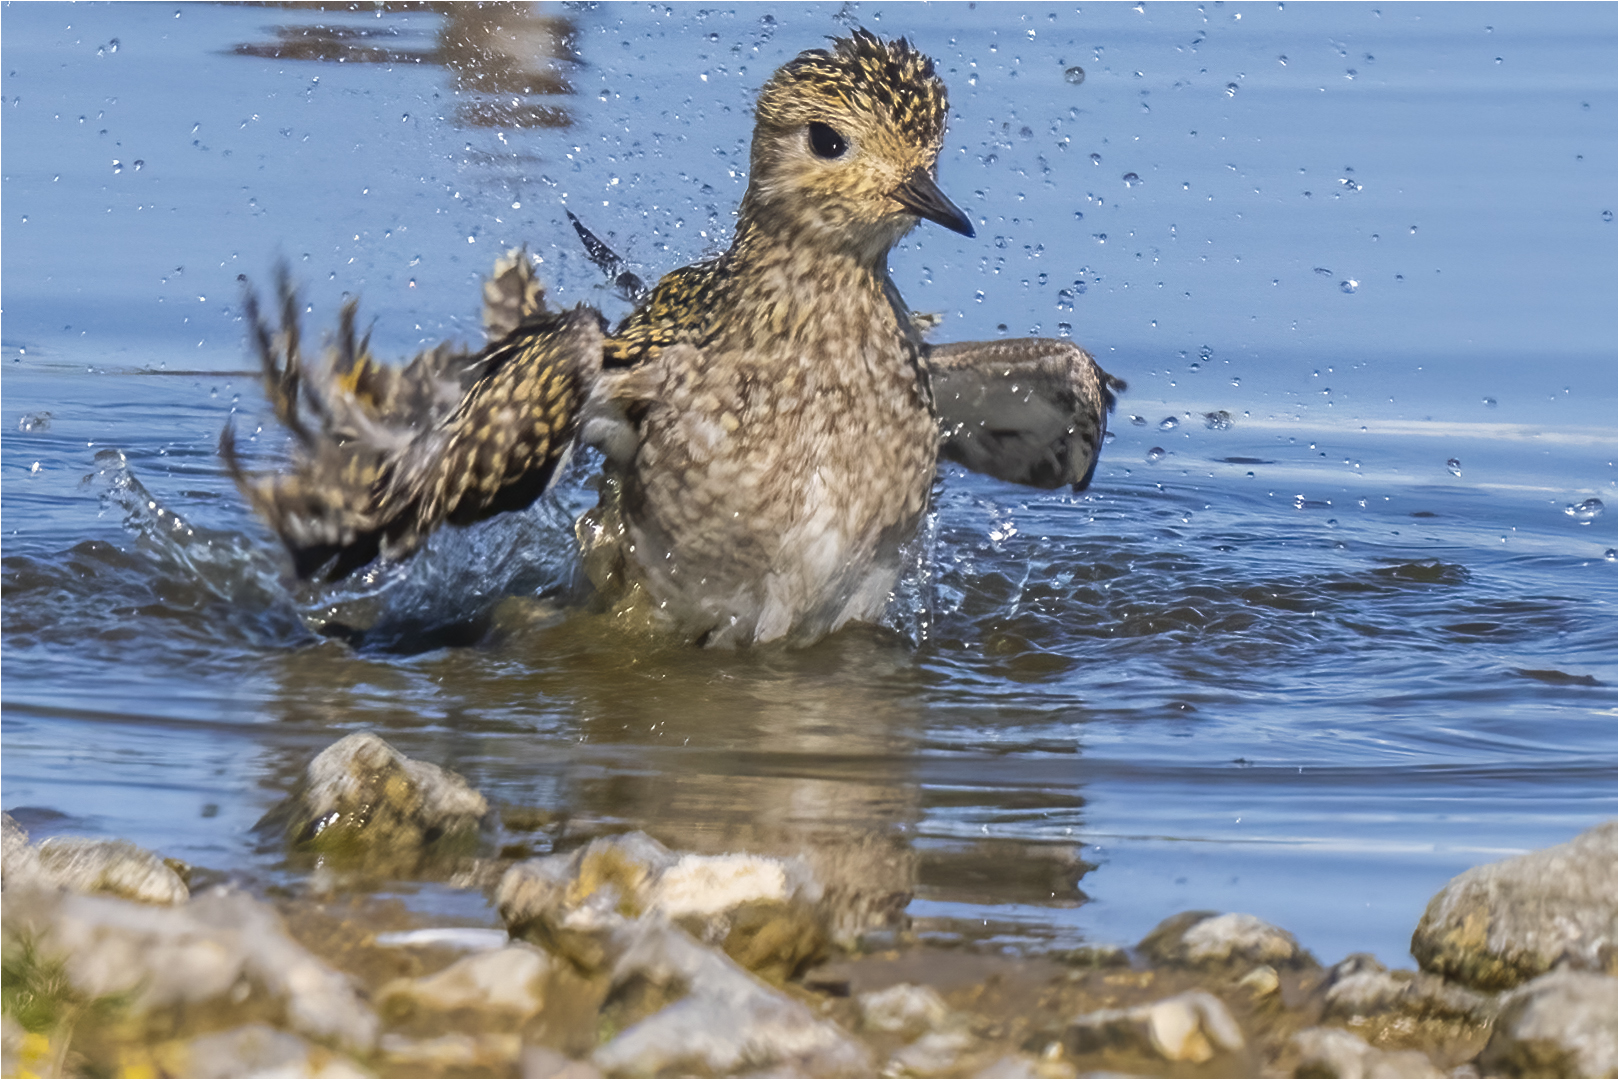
(385, 455)
(1029, 410)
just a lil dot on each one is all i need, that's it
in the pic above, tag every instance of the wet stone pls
(727, 1021)
(935, 1054)
(1261, 982)
(508, 981)
(1503, 923)
(761, 910)
(255, 1050)
(1564, 1023)
(223, 959)
(1360, 986)
(543, 1063)
(364, 806)
(1334, 1052)
(114, 867)
(904, 1008)
(85, 865)
(1191, 1027)
(1209, 939)
(487, 1052)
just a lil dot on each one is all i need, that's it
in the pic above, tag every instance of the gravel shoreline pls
(623, 958)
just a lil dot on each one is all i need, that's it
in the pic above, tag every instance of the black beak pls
(921, 196)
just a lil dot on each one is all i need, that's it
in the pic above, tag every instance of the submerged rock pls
(224, 957)
(1207, 938)
(86, 865)
(1503, 923)
(1564, 1023)
(1192, 1027)
(1334, 1052)
(364, 806)
(759, 909)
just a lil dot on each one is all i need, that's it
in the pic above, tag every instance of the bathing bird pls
(770, 420)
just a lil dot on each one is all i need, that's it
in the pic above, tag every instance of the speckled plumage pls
(767, 417)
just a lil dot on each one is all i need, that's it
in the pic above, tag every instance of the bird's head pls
(846, 146)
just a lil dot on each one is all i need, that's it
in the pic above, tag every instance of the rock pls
(866, 881)
(904, 1008)
(1501, 924)
(543, 1063)
(362, 805)
(1333, 1052)
(19, 861)
(224, 955)
(14, 1039)
(1564, 1023)
(1207, 939)
(727, 1022)
(934, 1054)
(1360, 986)
(760, 909)
(1192, 1026)
(490, 1051)
(256, 1050)
(113, 867)
(1261, 982)
(508, 981)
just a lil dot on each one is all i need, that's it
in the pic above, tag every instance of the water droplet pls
(404, 118)
(1455, 466)
(139, 164)
(1096, 159)
(1131, 179)
(1607, 215)
(112, 46)
(1230, 89)
(1611, 555)
(117, 166)
(1074, 75)
(1155, 454)
(1138, 421)
(1489, 403)
(1586, 511)
(1348, 286)
(1323, 271)
(1168, 423)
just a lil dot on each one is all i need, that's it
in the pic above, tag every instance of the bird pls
(770, 420)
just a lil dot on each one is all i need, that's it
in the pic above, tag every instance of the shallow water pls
(1281, 658)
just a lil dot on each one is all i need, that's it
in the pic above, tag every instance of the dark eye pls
(825, 141)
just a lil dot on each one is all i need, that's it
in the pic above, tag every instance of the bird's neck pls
(790, 282)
